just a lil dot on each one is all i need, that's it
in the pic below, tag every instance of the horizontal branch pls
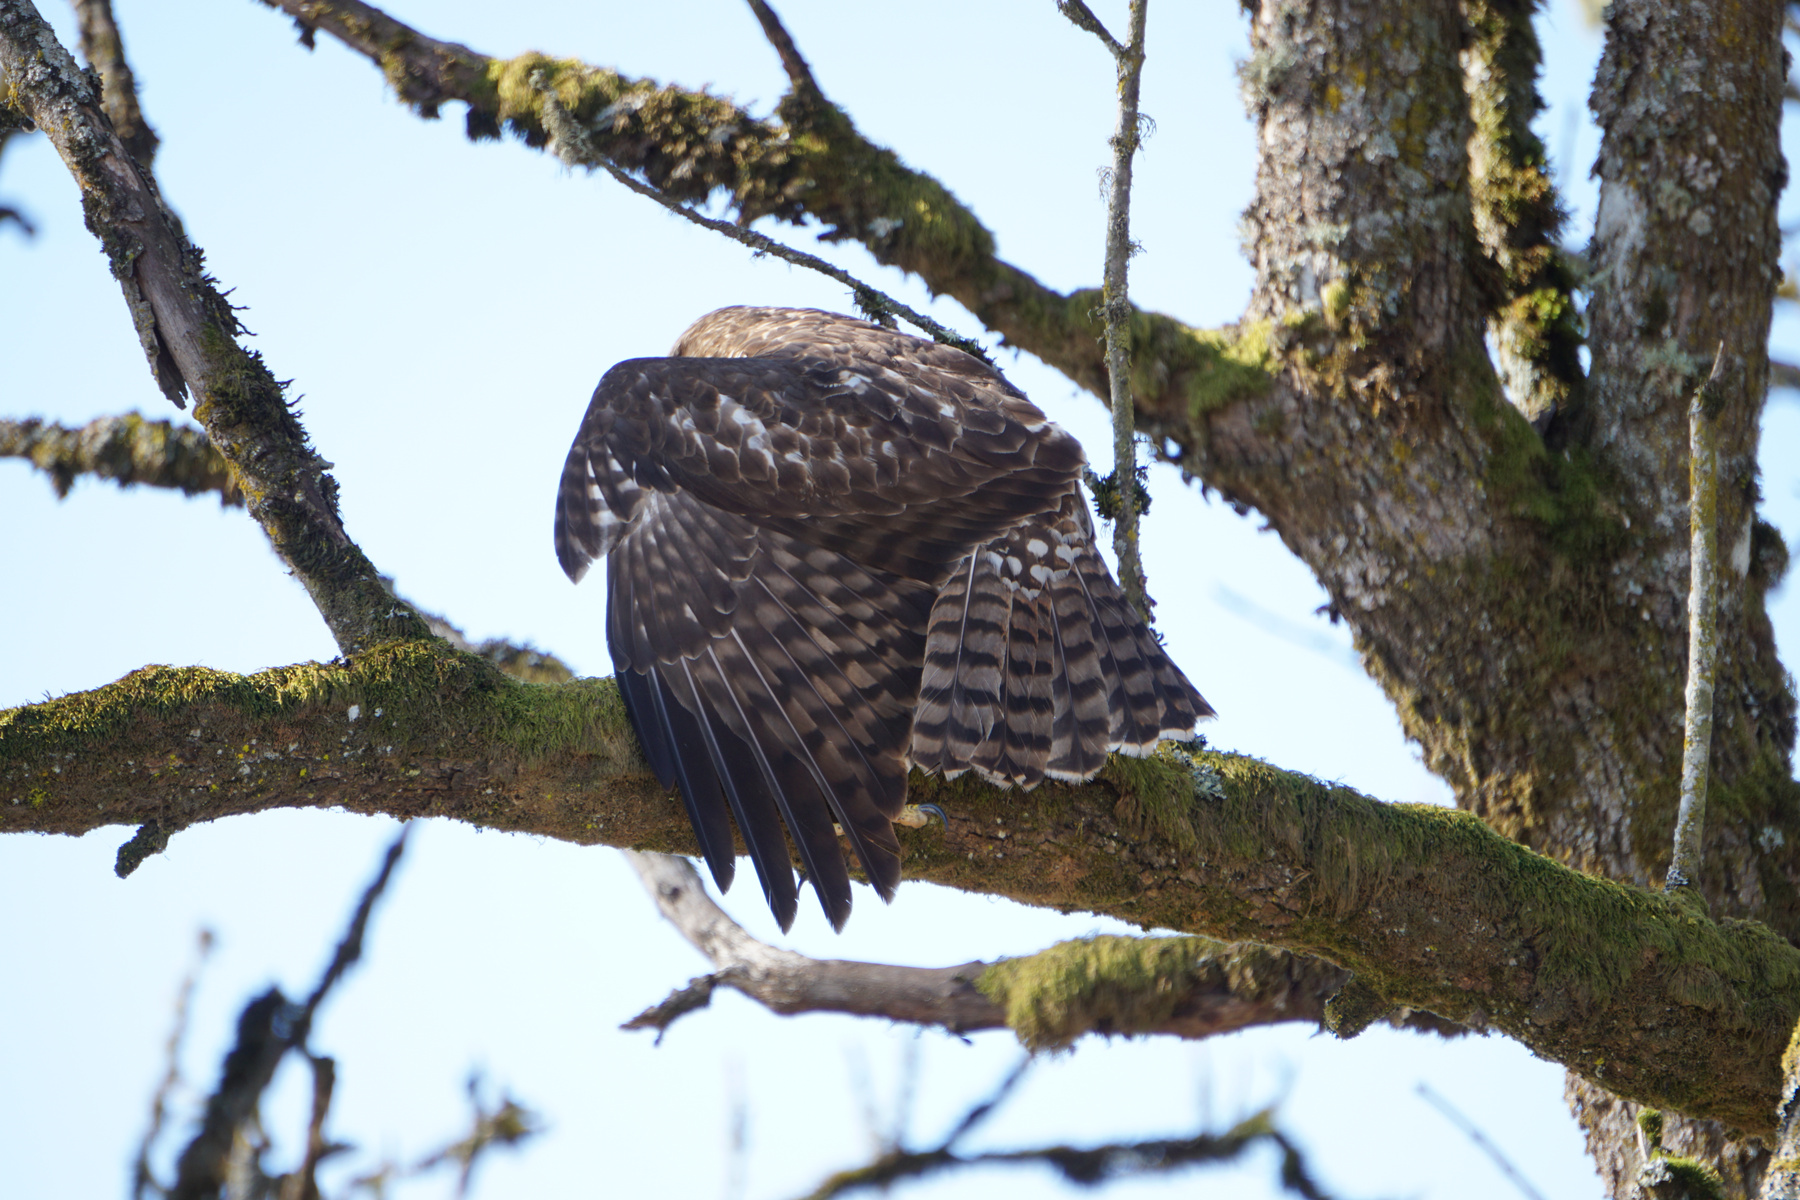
(808, 161)
(1189, 987)
(1429, 907)
(126, 449)
(188, 331)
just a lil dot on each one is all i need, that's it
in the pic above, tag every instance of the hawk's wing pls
(778, 527)
(897, 453)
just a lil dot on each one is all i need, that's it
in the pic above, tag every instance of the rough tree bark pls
(1514, 573)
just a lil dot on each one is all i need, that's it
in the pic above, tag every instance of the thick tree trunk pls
(1523, 599)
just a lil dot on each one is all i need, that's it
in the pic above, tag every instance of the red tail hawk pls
(837, 552)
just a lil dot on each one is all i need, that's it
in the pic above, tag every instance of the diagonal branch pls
(188, 331)
(575, 148)
(1083, 18)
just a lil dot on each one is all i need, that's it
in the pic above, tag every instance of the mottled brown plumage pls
(835, 552)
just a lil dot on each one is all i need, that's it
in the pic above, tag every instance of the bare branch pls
(1083, 18)
(786, 982)
(129, 449)
(8, 131)
(104, 49)
(303, 1184)
(187, 329)
(350, 946)
(507, 1124)
(1481, 1140)
(1200, 987)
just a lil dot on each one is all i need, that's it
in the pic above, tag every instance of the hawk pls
(834, 553)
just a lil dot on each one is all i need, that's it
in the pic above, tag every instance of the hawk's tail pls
(1036, 664)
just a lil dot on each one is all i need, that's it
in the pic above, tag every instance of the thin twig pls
(1703, 520)
(573, 146)
(973, 1119)
(508, 1124)
(1783, 374)
(1084, 18)
(350, 947)
(1087, 1167)
(1474, 1134)
(1116, 306)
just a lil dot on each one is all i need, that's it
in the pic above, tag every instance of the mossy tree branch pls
(128, 449)
(188, 331)
(1429, 907)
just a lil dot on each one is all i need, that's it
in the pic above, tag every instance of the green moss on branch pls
(128, 449)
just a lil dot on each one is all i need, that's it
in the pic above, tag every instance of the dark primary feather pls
(835, 552)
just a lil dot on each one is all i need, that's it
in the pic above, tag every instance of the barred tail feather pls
(1036, 665)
